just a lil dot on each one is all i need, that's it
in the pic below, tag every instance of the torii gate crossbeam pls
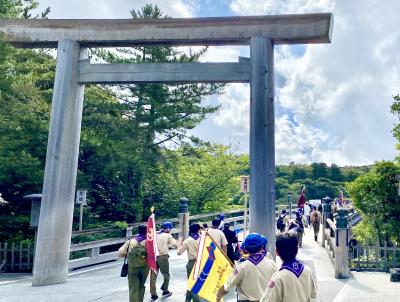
(73, 71)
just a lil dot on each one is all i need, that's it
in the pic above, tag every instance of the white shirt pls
(307, 210)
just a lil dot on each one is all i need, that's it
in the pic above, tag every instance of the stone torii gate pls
(73, 71)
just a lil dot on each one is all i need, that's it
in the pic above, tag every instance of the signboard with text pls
(81, 196)
(244, 184)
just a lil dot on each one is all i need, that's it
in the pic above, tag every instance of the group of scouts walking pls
(255, 275)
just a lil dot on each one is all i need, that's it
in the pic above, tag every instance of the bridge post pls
(342, 270)
(55, 222)
(262, 140)
(183, 216)
(327, 210)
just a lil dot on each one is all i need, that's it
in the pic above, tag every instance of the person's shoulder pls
(307, 271)
(269, 261)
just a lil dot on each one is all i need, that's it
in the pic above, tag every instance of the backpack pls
(315, 218)
(137, 256)
(279, 224)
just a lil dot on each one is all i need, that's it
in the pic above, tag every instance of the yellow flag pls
(211, 270)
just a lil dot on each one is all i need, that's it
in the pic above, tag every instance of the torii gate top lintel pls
(281, 29)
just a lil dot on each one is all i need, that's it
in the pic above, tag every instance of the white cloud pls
(338, 95)
(109, 9)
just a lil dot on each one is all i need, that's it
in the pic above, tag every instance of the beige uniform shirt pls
(122, 251)
(286, 287)
(190, 245)
(218, 237)
(251, 280)
(164, 242)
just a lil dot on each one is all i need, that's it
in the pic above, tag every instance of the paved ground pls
(103, 284)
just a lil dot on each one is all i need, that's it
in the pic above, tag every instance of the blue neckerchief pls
(195, 236)
(140, 238)
(256, 258)
(264, 252)
(293, 266)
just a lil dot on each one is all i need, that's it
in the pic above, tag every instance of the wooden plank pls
(12, 255)
(97, 243)
(164, 72)
(28, 256)
(20, 256)
(281, 29)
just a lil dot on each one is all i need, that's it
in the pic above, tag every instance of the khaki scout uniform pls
(190, 245)
(218, 237)
(136, 275)
(286, 287)
(251, 280)
(164, 242)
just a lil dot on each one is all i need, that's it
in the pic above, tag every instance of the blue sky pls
(332, 100)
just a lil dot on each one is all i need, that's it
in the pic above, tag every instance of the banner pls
(302, 199)
(151, 244)
(211, 270)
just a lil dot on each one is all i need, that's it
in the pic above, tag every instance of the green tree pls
(335, 173)
(376, 195)
(319, 170)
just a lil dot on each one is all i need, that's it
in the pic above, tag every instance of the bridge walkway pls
(103, 284)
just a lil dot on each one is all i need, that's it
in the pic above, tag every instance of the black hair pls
(227, 225)
(194, 228)
(142, 229)
(286, 245)
(216, 222)
(253, 249)
(205, 226)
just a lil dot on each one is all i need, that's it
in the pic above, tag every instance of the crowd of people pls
(255, 276)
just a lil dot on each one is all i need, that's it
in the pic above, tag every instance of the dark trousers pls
(189, 295)
(163, 265)
(136, 279)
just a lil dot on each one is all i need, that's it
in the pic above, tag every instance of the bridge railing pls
(374, 257)
(94, 247)
(336, 236)
(19, 256)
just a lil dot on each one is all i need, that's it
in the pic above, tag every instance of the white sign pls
(244, 184)
(81, 197)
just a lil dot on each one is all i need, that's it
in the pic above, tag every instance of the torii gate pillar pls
(262, 139)
(57, 207)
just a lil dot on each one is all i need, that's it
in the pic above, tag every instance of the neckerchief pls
(140, 238)
(256, 258)
(294, 266)
(264, 253)
(195, 236)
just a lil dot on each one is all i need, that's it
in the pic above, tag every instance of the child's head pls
(253, 243)
(142, 229)
(215, 223)
(194, 228)
(286, 246)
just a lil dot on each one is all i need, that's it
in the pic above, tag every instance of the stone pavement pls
(103, 284)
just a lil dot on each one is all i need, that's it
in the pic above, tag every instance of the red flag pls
(151, 244)
(302, 199)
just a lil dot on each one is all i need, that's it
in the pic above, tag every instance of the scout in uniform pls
(251, 276)
(138, 270)
(294, 282)
(190, 245)
(218, 236)
(316, 221)
(244, 255)
(164, 242)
